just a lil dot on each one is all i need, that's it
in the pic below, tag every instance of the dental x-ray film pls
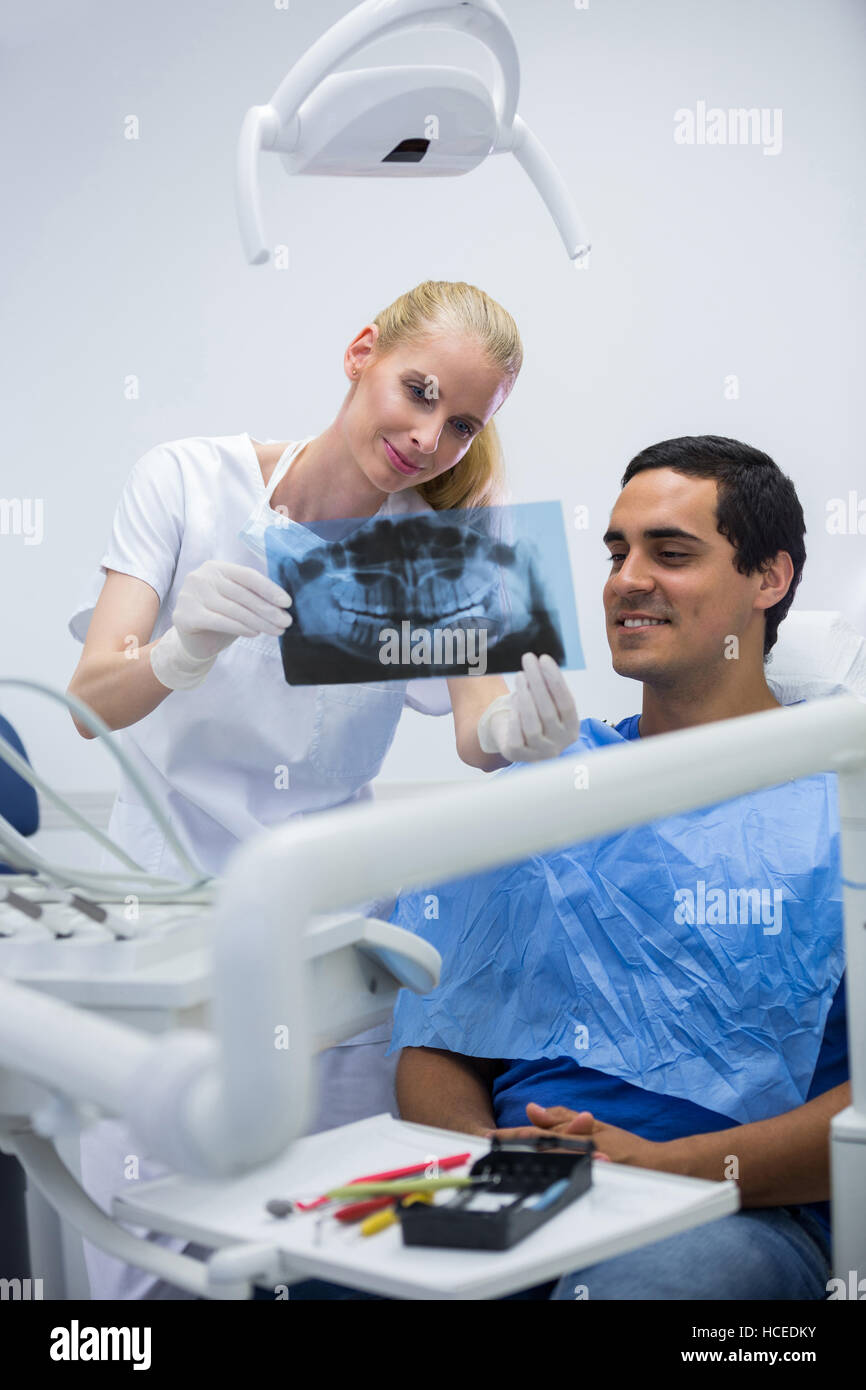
(447, 593)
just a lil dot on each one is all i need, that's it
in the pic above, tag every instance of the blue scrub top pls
(562, 1081)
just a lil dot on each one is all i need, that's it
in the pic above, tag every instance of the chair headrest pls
(816, 653)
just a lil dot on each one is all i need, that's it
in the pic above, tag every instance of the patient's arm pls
(446, 1089)
(781, 1161)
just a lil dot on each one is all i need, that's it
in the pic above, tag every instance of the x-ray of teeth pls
(450, 593)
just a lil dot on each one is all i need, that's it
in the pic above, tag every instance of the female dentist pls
(179, 626)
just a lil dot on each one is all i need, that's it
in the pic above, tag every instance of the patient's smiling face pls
(674, 595)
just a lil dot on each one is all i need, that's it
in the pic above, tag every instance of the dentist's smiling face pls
(673, 595)
(414, 413)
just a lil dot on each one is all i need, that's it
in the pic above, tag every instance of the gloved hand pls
(217, 602)
(538, 720)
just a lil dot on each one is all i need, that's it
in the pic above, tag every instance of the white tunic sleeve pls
(146, 534)
(428, 696)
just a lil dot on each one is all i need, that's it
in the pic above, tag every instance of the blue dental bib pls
(695, 957)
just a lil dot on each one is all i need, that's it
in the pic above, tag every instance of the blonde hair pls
(478, 480)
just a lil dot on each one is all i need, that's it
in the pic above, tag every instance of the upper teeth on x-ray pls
(448, 593)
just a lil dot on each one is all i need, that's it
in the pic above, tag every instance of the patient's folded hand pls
(612, 1144)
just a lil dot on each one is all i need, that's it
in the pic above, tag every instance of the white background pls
(123, 257)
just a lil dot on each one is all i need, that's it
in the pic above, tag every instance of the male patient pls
(706, 544)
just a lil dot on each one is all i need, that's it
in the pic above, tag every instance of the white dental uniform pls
(210, 754)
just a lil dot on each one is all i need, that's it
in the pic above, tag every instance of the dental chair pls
(154, 1019)
(18, 803)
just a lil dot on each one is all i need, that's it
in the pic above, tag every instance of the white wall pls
(122, 257)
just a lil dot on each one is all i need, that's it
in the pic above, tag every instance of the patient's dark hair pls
(757, 508)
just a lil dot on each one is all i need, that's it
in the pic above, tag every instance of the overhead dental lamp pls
(401, 121)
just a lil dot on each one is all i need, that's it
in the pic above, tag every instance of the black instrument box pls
(526, 1182)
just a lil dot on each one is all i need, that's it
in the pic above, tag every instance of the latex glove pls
(217, 602)
(538, 720)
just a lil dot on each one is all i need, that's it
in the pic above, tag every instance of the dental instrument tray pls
(524, 1183)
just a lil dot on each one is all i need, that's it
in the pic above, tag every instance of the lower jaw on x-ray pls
(442, 594)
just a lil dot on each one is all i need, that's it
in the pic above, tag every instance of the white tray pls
(625, 1208)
